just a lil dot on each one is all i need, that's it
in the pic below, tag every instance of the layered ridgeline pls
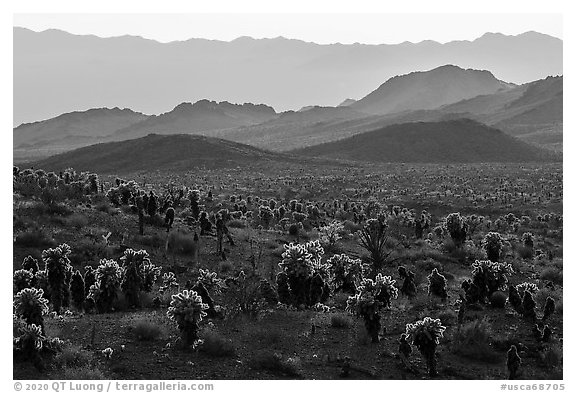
(81, 72)
(413, 97)
(463, 140)
(73, 130)
(532, 112)
(198, 118)
(429, 90)
(160, 152)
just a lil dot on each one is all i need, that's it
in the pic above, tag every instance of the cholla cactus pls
(490, 277)
(513, 362)
(372, 296)
(57, 265)
(105, 290)
(169, 282)
(345, 273)
(266, 215)
(30, 263)
(528, 240)
(194, 197)
(31, 306)
(22, 279)
(493, 244)
(437, 285)
(316, 251)
(515, 299)
(150, 274)
(526, 286)
(210, 281)
(297, 264)
(133, 278)
(457, 228)
(426, 334)
(283, 285)
(187, 310)
(31, 340)
(77, 290)
(528, 306)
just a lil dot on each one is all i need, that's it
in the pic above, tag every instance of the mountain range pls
(453, 141)
(531, 111)
(57, 72)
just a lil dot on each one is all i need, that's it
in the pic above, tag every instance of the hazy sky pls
(321, 28)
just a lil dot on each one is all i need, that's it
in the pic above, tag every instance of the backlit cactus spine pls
(187, 310)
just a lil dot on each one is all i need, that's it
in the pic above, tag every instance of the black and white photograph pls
(208, 196)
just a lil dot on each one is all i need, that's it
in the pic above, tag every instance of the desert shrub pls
(154, 240)
(34, 238)
(552, 274)
(187, 311)
(237, 223)
(225, 267)
(76, 221)
(448, 317)
(72, 356)
(215, 345)
(373, 238)
(81, 373)
(330, 234)
(276, 363)
(428, 264)
(340, 321)
(498, 299)
(267, 337)
(472, 340)
(182, 243)
(146, 329)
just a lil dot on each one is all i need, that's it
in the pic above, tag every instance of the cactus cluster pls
(104, 291)
(425, 335)
(187, 311)
(487, 278)
(372, 296)
(437, 285)
(493, 244)
(58, 273)
(302, 280)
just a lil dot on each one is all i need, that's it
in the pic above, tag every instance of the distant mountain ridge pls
(160, 152)
(150, 77)
(429, 90)
(202, 116)
(460, 140)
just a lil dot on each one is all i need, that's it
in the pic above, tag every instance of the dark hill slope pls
(460, 140)
(159, 152)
